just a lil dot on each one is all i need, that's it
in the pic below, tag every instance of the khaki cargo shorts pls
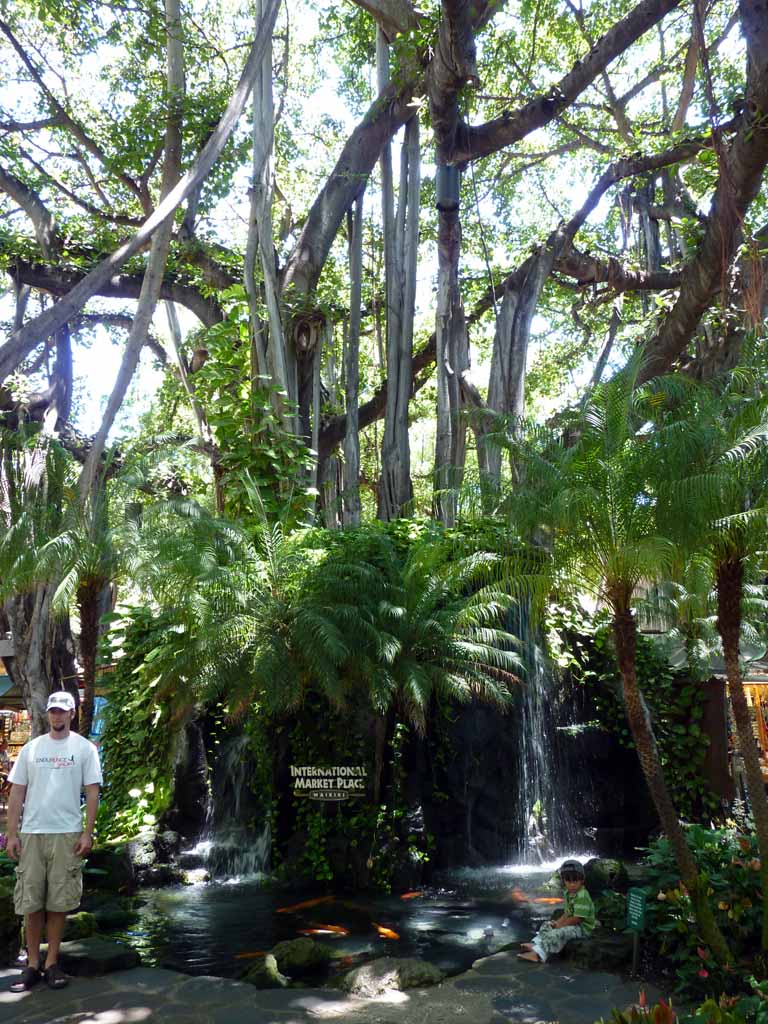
(49, 875)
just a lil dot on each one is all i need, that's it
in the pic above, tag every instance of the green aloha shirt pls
(579, 904)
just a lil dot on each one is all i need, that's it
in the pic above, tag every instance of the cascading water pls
(545, 827)
(231, 846)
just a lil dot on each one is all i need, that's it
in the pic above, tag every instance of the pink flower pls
(702, 952)
(703, 973)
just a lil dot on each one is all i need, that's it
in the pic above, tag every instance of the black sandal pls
(55, 977)
(28, 978)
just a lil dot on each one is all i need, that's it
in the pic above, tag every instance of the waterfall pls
(545, 826)
(232, 845)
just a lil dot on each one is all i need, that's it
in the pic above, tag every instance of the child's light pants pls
(549, 940)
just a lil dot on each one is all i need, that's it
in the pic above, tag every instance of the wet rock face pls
(163, 874)
(266, 974)
(80, 926)
(605, 873)
(186, 816)
(466, 776)
(115, 869)
(468, 784)
(111, 912)
(296, 957)
(388, 974)
(141, 849)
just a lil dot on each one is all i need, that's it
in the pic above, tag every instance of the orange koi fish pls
(410, 895)
(305, 905)
(325, 929)
(385, 933)
(547, 899)
(249, 956)
(518, 896)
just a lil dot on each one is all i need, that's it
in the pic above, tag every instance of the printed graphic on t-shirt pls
(56, 762)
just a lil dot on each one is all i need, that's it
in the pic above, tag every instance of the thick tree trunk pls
(396, 489)
(43, 659)
(506, 387)
(330, 480)
(57, 413)
(351, 490)
(452, 362)
(729, 585)
(638, 718)
(89, 603)
(273, 359)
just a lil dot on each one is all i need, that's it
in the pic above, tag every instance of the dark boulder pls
(89, 958)
(110, 867)
(602, 951)
(296, 957)
(388, 974)
(605, 873)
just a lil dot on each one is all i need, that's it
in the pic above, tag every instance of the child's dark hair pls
(571, 871)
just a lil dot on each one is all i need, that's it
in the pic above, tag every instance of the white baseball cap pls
(62, 700)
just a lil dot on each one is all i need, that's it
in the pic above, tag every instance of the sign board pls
(636, 909)
(334, 783)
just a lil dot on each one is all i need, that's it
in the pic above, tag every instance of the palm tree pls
(587, 496)
(85, 556)
(724, 487)
(335, 613)
(437, 634)
(266, 618)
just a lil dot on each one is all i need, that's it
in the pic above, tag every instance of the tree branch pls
(67, 121)
(333, 430)
(24, 340)
(394, 16)
(389, 112)
(110, 218)
(453, 65)
(482, 140)
(43, 221)
(741, 173)
(30, 126)
(124, 322)
(60, 282)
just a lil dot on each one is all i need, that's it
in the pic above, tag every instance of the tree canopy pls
(586, 180)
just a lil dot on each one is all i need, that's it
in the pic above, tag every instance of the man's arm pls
(84, 844)
(15, 803)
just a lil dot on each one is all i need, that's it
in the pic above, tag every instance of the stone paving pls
(497, 990)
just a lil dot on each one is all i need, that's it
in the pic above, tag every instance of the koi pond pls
(222, 927)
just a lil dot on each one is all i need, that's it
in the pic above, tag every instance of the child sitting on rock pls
(577, 921)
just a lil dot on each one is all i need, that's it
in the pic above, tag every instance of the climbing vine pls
(138, 743)
(583, 647)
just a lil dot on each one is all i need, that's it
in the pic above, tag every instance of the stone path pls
(497, 990)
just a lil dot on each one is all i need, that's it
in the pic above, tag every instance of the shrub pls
(730, 867)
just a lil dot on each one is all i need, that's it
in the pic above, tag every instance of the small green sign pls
(636, 909)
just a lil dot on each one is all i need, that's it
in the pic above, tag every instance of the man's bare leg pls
(33, 930)
(54, 929)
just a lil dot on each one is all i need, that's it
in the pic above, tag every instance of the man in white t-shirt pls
(47, 780)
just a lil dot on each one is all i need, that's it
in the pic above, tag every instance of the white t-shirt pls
(54, 772)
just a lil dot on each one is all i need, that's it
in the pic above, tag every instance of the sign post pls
(635, 922)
